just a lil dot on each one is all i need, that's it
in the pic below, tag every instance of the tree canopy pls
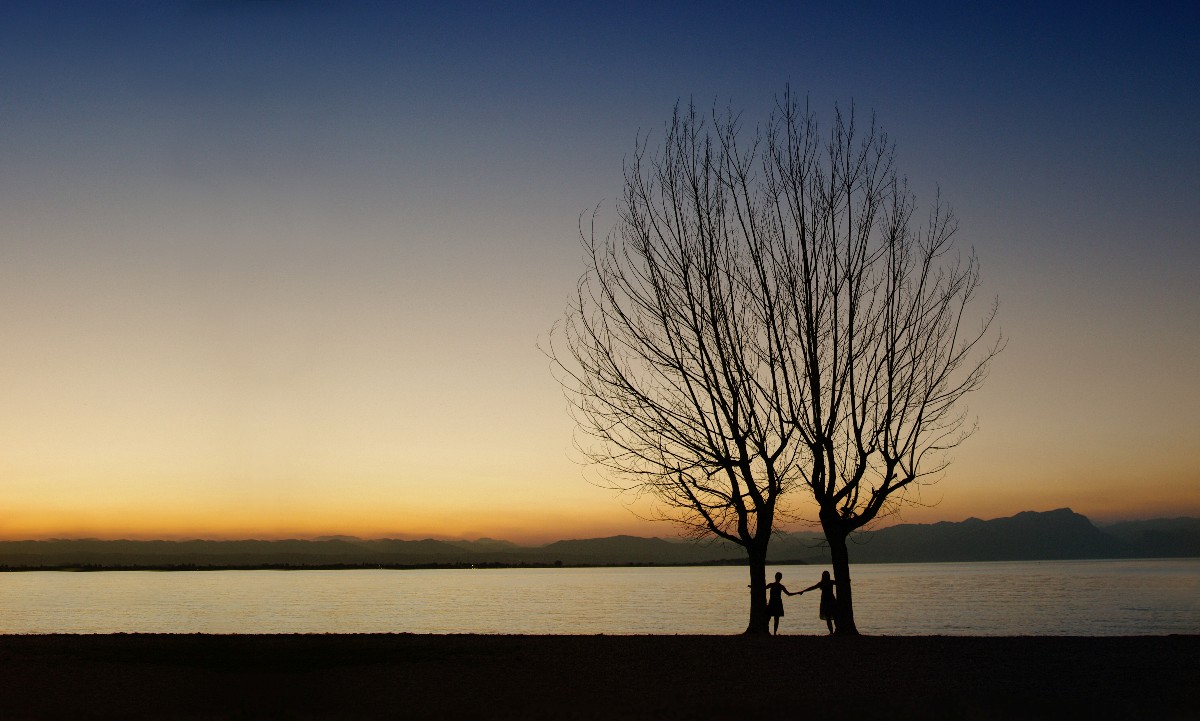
(766, 328)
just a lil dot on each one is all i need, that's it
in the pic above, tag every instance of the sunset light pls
(259, 280)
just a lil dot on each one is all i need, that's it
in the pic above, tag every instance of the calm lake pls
(1090, 598)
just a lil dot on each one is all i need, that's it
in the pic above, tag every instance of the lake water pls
(1091, 598)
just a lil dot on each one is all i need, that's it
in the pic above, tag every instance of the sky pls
(277, 269)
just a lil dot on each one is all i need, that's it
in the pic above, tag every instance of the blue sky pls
(282, 267)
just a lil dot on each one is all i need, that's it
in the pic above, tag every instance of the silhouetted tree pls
(764, 324)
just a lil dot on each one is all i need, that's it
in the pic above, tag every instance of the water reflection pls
(1017, 598)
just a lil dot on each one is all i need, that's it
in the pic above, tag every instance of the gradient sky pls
(281, 268)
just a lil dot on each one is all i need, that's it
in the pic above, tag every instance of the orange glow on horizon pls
(527, 525)
(524, 526)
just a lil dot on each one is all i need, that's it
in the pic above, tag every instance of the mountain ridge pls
(1059, 534)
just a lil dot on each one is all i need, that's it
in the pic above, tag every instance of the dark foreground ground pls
(590, 677)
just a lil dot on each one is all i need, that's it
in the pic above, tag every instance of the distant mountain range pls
(1028, 536)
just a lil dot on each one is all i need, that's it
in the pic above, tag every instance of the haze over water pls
(1087, 598)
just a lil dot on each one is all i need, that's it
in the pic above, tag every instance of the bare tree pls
(764, 327)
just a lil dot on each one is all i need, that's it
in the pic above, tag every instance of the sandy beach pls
(592, 677)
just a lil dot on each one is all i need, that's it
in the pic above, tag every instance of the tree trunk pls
(840, 555)
(759, 622)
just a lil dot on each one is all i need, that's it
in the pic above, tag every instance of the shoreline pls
(508, 676)
(486, 566)
(170, 567)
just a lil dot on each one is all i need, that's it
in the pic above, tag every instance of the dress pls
(828, 604)
(775, 602)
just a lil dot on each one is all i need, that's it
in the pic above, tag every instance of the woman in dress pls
(775, 602)
(828, 601)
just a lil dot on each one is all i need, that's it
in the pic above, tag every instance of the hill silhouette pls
(1027, 536)
(1164, 537)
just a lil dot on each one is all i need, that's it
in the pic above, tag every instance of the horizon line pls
(416, 537)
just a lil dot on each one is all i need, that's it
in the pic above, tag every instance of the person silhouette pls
(828, 601)
(775, 602)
